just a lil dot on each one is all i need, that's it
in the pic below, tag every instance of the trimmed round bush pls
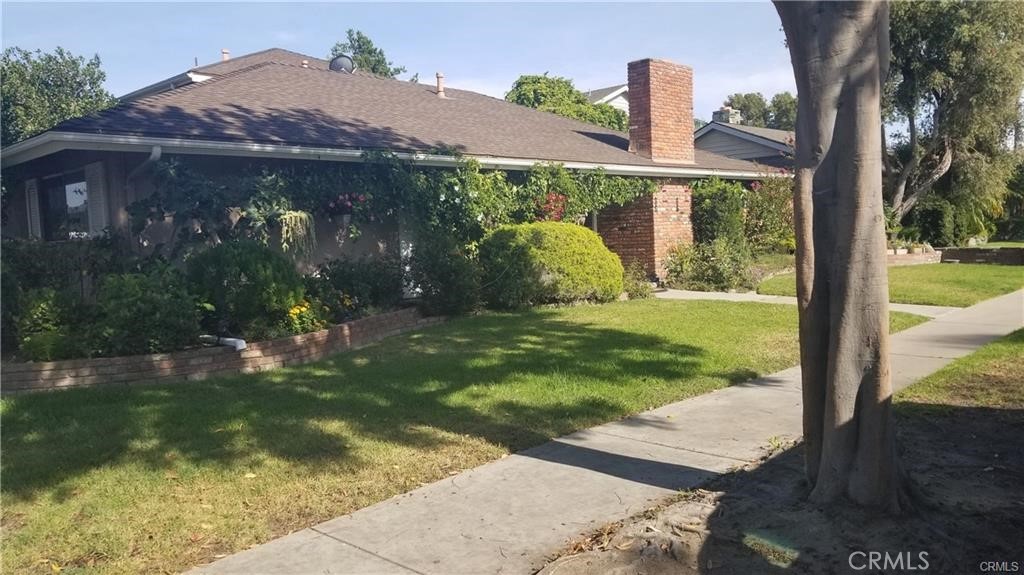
(545, 263)
(246, 287)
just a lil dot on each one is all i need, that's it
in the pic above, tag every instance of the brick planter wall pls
(199, 364)
(1005, 256)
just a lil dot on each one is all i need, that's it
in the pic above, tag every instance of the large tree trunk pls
(840, 52)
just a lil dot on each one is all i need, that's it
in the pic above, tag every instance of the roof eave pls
(53, 141)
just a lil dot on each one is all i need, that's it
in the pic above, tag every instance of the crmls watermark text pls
(886, 561)
(999, 567)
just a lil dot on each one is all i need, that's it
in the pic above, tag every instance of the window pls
(65, 207)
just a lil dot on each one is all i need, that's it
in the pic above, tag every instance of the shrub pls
(547, 262)
(935, 221)
(349, 287)
(718, 211)
(635, 282)
(145, 313)
(768, 218)
(246, 286)
(447, 278)
(717, 266)
(44, 330)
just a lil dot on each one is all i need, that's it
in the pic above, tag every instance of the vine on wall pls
(210, 204)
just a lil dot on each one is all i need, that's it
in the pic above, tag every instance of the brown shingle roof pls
(278, 55)
(286, 104)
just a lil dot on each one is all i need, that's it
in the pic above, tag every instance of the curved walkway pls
(510, 515)
(932, 311)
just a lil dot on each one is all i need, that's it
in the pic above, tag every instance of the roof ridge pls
(251, 54)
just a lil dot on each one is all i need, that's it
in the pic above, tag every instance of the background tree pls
(957, 74)
(40, 90)
(366, 55)
(752, 105)
(559, 96)
(840, 52)
(782, 112)
(779, 113)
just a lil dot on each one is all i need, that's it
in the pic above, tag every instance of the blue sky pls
(732, 47)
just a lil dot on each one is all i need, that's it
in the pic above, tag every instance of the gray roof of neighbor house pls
(600, 93)
(783, 137)
(278, 103)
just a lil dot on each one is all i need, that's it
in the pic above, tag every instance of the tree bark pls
(840, 52)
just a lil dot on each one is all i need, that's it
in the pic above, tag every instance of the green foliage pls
(768, 216)
(366, 55)
(304, 317)
(68, 267)
(247, 287)
(935, 222)
(635, 282)
(547, 262)
(351, 287)
(718, 211)
(40, 90)
(143, 313)
(719, 265)
(446, 275)
(211, 205)
(44, 329)
(558, 95)
(956, 73)
(782, 112)
(752, 105)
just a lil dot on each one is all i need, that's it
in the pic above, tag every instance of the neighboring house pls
(724, 135)
(76, 179)
(614, 96)
(765, 146)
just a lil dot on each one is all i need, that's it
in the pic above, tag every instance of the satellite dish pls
(343, 63)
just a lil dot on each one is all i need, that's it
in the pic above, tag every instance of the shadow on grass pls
(512, 380)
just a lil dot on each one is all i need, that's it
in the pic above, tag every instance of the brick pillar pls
(661, 111)
(646, 229)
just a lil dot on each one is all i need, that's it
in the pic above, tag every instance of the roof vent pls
(440, 85)
(225, 55)
(343, 63)
(305, 63)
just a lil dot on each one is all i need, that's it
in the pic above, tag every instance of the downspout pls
(233, 342)
(154, 156)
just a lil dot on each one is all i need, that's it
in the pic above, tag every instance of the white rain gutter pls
(51, 142)
(154, 156)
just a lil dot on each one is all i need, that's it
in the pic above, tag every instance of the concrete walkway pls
(509, 516)
(925, 310)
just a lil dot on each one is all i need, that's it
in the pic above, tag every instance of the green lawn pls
(958, 285)
(1006, 244)
(157, 479)
(993, 377)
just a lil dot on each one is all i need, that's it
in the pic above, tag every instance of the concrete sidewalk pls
(925, 310)
(509, 516)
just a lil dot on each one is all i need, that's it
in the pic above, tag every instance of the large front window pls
(65, 207)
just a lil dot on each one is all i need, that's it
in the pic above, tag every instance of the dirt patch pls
(967, 468)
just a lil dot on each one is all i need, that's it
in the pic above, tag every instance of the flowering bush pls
(305, 317)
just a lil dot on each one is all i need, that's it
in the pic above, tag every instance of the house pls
(614, 96)
(724, 135)
(277, 105)
(766, 146)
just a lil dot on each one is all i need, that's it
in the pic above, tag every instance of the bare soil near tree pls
(961, 438)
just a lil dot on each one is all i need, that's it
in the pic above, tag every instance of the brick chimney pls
(661, 110)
